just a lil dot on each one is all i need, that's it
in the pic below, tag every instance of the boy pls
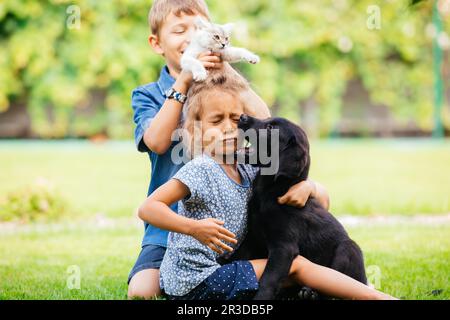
(157, 113)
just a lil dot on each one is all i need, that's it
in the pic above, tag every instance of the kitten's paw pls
(199, 75)
(252, 58)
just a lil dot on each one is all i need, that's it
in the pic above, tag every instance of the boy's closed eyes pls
(179, 28)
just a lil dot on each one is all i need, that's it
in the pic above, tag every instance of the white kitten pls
(214, 37)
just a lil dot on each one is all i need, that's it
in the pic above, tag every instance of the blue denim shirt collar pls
(165, 80)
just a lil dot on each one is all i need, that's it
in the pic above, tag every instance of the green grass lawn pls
(372, 177)
(110, 179)
(413, 260)
(363, 177)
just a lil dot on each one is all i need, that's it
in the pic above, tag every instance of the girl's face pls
(219, 120)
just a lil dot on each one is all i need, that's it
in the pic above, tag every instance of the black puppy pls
(281, 232)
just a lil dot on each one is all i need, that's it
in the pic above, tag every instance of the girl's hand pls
(211, 233)
(298, 194)
(210, 60)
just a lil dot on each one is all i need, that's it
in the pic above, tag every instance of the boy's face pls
(174, 36)
(220, 117)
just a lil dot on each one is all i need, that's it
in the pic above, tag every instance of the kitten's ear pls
(201, 23)
(228, 28)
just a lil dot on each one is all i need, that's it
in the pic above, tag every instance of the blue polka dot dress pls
(189, 269)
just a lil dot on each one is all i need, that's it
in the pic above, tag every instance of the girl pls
(212, 215)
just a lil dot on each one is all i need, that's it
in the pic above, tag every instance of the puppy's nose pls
(243, 118)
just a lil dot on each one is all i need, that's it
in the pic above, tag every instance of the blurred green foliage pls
(77, 82)
(35, 202)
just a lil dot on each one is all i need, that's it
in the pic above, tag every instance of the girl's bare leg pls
(144, 284)
(325, 280)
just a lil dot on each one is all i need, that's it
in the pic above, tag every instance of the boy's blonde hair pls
(162, 8)
(198, 94)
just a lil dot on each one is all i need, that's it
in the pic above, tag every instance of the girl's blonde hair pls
(197, 98)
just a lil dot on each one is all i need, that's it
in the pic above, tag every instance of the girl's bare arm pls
(156, 211)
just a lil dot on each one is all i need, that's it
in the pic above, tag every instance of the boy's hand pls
(211, 233)
(210, 60)
(298, 194)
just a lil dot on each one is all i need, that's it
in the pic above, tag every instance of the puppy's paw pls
(307, 293)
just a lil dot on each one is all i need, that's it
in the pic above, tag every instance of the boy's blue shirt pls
(146, 101)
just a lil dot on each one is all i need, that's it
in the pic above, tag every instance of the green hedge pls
(77, 81)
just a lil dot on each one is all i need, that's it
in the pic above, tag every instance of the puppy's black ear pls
(293, 140)
(294, 160)
(289, 160)
(285, 174)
